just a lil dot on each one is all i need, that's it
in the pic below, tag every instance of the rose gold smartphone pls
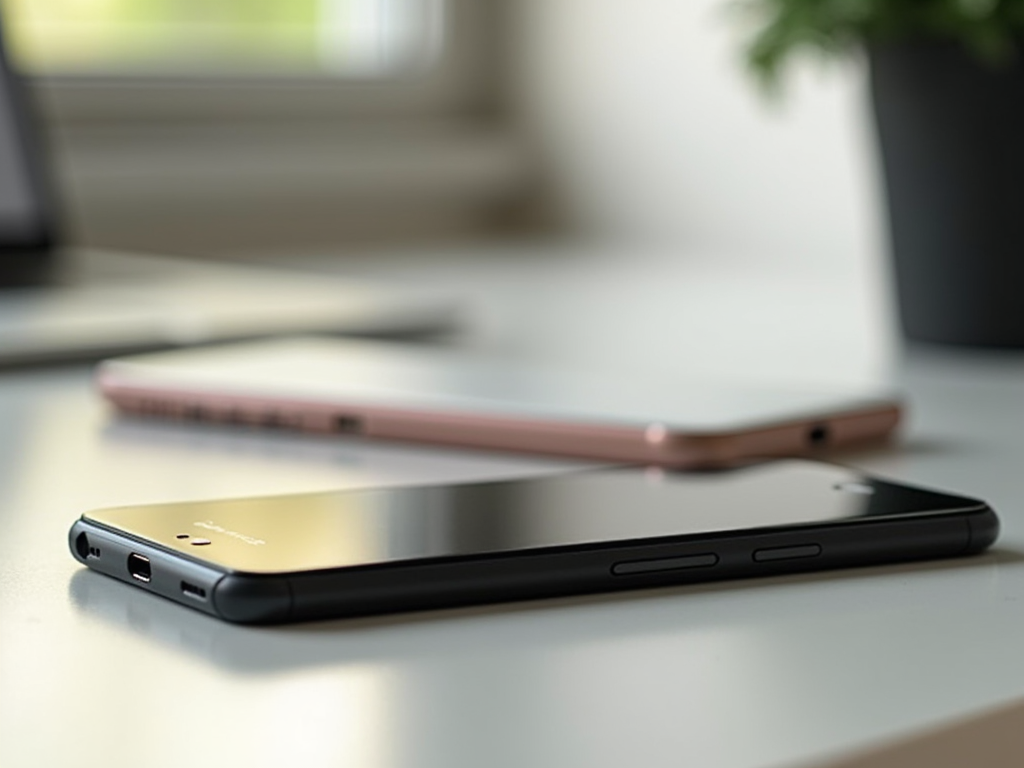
(431, 395)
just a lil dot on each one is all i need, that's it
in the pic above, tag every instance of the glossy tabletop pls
(772, 672)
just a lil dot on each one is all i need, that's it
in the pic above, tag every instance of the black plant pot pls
(951, 132)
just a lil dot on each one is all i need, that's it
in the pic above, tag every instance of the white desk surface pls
(775, 672)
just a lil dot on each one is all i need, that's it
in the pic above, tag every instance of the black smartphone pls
(347, 553)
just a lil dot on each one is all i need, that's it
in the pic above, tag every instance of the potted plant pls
(947, 86)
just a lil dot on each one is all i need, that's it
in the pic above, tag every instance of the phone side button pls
(787, 553)
(631, 567)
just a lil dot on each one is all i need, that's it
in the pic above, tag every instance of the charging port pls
(348, 424)
(193, 591)
(139, 568)
(818, 435)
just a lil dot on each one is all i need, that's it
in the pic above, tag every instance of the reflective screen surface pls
(367, 527)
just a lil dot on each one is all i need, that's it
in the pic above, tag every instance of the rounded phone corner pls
(984, 527)
(78, 542)
(251, 599)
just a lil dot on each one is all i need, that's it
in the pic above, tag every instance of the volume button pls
(799, 552)
(704, 560)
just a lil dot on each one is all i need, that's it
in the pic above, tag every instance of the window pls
(242, 59)
(255, 122)
(336, 38)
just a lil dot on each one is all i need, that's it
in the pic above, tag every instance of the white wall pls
(652, 130)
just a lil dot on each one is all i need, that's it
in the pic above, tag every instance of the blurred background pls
(179, 124)
(358, 129)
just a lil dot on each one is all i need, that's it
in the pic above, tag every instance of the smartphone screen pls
(383, 526)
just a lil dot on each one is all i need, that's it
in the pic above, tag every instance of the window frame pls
(432, 155)
(459, 82)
